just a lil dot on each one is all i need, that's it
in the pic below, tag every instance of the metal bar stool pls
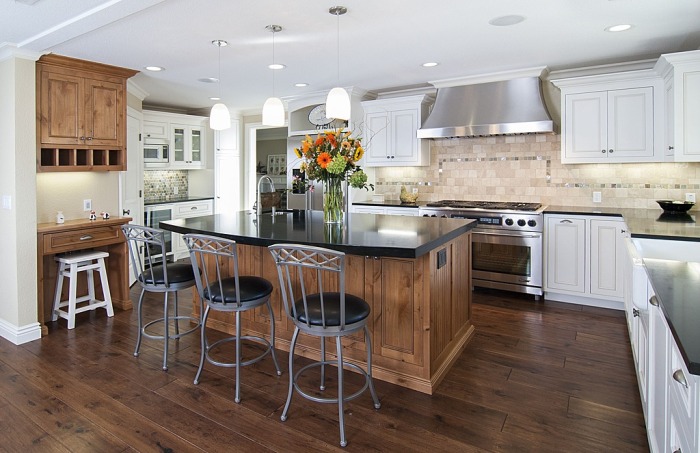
(155, 274)
(68, 267)
(215, 264)
(316, 311)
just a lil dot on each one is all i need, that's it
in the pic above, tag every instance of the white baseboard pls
(20, 335)
(590, 301)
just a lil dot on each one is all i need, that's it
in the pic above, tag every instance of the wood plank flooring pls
(537, 377)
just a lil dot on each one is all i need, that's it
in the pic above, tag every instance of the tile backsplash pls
(164, 184)
(528, 168)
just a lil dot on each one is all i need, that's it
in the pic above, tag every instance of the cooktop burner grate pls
(468, 204)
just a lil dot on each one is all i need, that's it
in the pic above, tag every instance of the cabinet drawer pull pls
(193, 208)
(679, 377)
(566, 221)
(87, 237)
(670, 148)
(678, 450)
(654, 301)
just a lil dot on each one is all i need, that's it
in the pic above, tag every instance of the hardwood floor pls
(537, 377)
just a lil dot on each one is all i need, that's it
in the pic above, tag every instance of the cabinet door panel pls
(566, 254)
(103, 114)
(61, 108)
(691, 115)
(377, 140)
(404, 130)
(606, 258)
(586, 124)
(631, 122)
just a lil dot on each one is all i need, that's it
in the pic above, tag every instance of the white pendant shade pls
(219, 118)
(273, 112)
(338, 104)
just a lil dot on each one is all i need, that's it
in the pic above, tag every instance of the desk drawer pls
(82, 239)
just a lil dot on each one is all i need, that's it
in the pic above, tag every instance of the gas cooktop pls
(492, 205)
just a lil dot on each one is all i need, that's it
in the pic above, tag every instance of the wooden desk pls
(77, 235)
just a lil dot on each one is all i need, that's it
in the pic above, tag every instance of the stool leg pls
(341, 396)
(91, 286)
(368, 342)
(295, 336)
(323, 363)
(166, 334)
(203, 344)
(238, 357)
(73, 285)
(140, 321)
(177, 321)
(59, 289)
(272, 338)
(106, 293)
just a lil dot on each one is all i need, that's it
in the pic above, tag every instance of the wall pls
(66, 191)
(18, 247)
(265, 148)
(529, 168)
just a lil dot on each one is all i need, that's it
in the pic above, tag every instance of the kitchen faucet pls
(258, 204)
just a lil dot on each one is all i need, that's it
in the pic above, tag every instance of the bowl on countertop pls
(675, 207)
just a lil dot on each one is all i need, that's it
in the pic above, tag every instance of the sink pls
(663, 249)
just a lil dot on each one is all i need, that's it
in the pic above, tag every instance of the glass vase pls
(333, 201)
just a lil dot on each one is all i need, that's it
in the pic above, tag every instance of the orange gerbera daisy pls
(331, 139)
(305, 146)
(324, 159)
(319, 141)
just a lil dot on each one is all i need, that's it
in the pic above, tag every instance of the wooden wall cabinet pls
(81, 115)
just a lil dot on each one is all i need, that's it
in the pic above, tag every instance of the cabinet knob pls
(654, 301)
(89, 138)
(610, 151)
(602, 151)
(679, 377)
(670, 148)
(82, 137)
(126, 211)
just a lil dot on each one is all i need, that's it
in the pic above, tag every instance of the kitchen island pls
(414, 272)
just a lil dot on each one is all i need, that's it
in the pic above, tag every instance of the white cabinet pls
(360, 209)
(187, 146)
(185, 135)
(657, 410)
(183, 211)
(229, 140)
(227, 168)
(612, 117)
(584, 260)
(681, 73)
(390, 132)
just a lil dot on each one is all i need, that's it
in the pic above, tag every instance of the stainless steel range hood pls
(514, 106)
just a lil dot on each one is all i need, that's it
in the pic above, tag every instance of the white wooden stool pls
(69, 266)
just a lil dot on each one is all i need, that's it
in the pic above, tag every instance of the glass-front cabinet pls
(187, 146)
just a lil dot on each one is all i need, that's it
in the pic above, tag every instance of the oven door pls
(153, 215)
(507, 260)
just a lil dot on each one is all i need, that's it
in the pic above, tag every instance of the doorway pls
(266, 155)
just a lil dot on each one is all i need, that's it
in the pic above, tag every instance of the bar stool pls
(321, 313)
(215, 264)
(154, 274)
(68, 267)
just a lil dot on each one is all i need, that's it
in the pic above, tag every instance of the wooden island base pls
(421, 312)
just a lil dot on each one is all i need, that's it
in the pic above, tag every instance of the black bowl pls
(671, 206)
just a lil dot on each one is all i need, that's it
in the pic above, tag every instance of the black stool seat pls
(356, 309)
(177, 273)
(252, 289)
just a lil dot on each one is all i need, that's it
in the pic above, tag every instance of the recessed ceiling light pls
(301, 84)
(154, 68)
(209, 80)
(276, 66)
(214, 98)
(505, 21)
(616, 28)
(429, 64)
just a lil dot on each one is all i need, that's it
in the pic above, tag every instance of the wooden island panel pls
(420, 318)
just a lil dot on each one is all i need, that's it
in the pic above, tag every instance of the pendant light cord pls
(273, 60)
(337, 41)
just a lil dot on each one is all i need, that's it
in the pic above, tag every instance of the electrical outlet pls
(6, 202)
(597, 198)
(690, 197)
(87, 205)
(175, 190)
(414, 190)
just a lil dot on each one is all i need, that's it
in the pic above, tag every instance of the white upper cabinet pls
(228, 141)
(187, 146)
(186, 136)
(612, 117)
(681, 74)
(390, 132)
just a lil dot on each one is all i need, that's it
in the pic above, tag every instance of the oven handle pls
(532, 236)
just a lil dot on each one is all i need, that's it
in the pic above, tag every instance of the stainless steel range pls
(506, 243)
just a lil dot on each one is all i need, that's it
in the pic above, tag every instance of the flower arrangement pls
(332, 158)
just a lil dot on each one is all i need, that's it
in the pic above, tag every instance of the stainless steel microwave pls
(156, 152)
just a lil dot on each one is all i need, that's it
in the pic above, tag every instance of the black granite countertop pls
(364, 234)
(387, 204)
(177, 199)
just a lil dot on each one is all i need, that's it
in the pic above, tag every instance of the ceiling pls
(382, 43)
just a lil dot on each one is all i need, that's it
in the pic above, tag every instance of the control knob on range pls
(509, 222)
(531, 223)
(521, 222)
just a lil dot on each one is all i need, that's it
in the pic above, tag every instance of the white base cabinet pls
(584, 260)
(184, 211)
(384, 210)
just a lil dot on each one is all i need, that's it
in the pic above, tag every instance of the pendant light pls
(219, 118)
(273, 110)
(338, 100)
